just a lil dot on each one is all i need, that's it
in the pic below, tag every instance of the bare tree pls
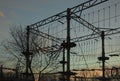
(38, 55)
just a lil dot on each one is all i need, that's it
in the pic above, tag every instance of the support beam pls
(63, 62)
(47, 36)
(68, 43)
(28, 54)
(77, 9)
(96, 35)
(103, 55)
(27, 51)
(85, 23)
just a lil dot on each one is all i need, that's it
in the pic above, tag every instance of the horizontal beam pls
(108, 32)
(96, 35)
(85, 23)
(48, 20)
(47, 36)
(86, 5)
(76, 9)
(8, 69)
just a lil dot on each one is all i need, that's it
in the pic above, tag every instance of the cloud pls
(1, 14)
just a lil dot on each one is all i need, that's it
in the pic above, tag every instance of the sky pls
(26, 12)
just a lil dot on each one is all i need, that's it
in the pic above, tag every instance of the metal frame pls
(74, 10)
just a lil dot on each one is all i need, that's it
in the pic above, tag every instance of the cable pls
(103, 17)
(109, 15)
(88, 18)
(98, 18)
(93, 17)
(82, 53)
(115, 12)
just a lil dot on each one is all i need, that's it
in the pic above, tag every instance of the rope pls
(103, 17)
(109, 15)
(115, 12)
(98, 17)
(82, 52)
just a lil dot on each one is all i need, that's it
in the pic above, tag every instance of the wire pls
(93, 17)
(109, 15)
(82, 52)
(115, 12)
(103, 17)
(98, 17)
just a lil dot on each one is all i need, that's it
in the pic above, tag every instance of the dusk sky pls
(26, 12)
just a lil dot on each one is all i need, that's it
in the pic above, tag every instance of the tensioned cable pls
(82, 51)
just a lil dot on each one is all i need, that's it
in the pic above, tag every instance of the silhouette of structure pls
(75, 14)
(67, 41)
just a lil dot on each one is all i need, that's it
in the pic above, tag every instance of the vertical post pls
(28, 34)
(75, 78)
(16, 72)
(1, 71)
(27, 51)
(68, 44)
(103, 56)
(63, 62)
(27, 54)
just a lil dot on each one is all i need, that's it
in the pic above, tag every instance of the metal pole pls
(27, 51)
(103, 56)
(1, 71)
(63, 62)
(68, 44)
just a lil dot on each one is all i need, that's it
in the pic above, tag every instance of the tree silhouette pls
(39, 57)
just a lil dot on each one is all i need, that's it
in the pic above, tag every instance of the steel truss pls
(74, 10)
(75, 14)
(96, 35)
